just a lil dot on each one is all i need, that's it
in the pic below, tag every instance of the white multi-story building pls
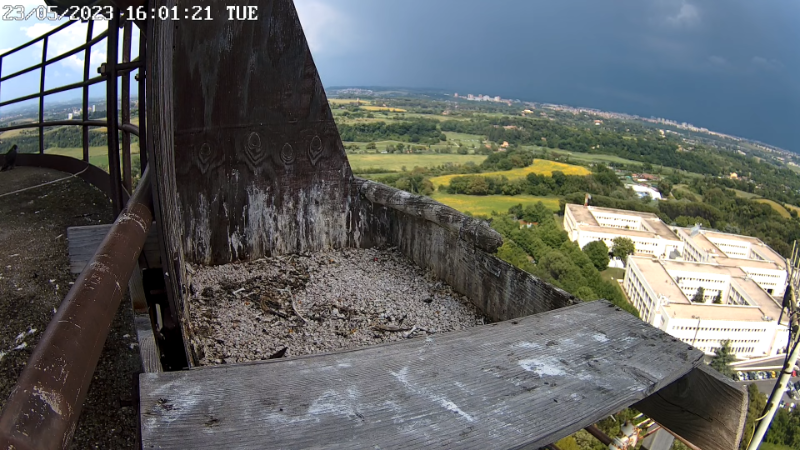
(734, 307)
(650, 235)
(642, 190)
(763, 264)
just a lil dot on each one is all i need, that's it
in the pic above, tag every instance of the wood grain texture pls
(473, 231)
(703, 407)
(261, 166)
(161, 158)
(148, 348)
(530, 381)
(82, 243)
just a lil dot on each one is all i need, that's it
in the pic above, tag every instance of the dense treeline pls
(642, 144)
(62, 137)
(721, 210)
(546, 251)
(602, 181)
(425, 131)
(645, 145)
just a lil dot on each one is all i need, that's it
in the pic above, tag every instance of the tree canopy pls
(623, 247)
(723, 357)
(597, 251)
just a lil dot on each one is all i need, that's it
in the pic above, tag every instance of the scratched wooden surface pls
(704, 407)
(161, 108)
(82, 243)
(260, 166)
(524, 382)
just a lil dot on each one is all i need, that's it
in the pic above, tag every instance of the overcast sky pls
(728, 65)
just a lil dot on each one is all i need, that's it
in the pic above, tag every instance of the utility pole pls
(793, 349)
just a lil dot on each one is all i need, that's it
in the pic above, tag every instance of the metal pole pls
(41, 97)
(697, 330)
(126, 107)
(87, 56)
(111, 109)
(598, 434)
(780, 386)
(43, 409)
(140, 77)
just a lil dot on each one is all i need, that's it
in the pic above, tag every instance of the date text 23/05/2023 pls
(137, 13)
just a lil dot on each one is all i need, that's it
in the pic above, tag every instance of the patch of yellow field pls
(382, 108)
(776, 206)
(485, 204)
(539, 166)
(347, 101)
(790, 207)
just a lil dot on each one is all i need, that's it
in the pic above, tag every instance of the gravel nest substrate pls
(315, 303)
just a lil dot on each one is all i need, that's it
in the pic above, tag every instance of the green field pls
(98, 156)
(792, 207)
(583, 157)
(613, 274)
(744, 194)
(776, 206)
(767, 446)
(539, 166)
(396, 162)
(464, 138)
(485, 204)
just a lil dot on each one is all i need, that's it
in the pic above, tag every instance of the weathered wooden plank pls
(476, 232)
(703, 407)
(498, 289)
(83, 242)
(161, 108)
(524, 382)
(260, 165)
(148, 349)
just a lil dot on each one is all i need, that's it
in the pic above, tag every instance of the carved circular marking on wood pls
(204, 157)
(253, 149)
(205, 153)
(315, 149)
(287, 154)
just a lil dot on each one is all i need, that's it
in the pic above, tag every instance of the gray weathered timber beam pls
(474, 231)
(529, 381)
(703, 407)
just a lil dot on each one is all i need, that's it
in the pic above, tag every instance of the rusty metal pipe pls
(43, 408)
(598, 434)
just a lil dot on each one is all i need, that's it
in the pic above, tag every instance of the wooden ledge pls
(521, 382)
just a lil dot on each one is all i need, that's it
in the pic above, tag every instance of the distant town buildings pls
(484, 98)
(650, 235)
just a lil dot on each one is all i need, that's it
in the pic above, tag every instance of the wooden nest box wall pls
(249, 163)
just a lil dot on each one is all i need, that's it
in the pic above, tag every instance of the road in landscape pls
(765, 386)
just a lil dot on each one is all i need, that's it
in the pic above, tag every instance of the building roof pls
(659, 279)
(771, 258)
(656, 272)
(715, 312)
(584, 216)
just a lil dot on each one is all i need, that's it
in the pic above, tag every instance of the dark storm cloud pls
(731, 65)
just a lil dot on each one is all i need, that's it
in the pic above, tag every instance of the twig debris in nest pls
(318, 303)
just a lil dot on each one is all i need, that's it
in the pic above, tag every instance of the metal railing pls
(117, 121)
(46, 402)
